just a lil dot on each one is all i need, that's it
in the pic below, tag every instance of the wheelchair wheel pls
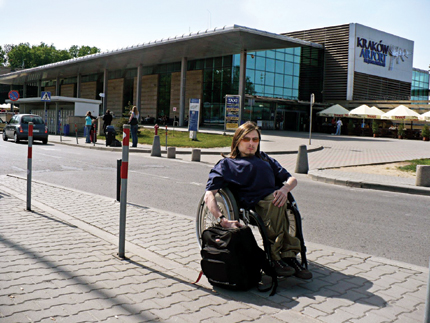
(226, 203)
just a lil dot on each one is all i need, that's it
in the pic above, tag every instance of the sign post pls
(193, 124)
(310, 118)
(232, 112)
(13, 96)
(46, 97)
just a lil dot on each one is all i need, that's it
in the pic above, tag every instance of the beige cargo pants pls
(276, 221)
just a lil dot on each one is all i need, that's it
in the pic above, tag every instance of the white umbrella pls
(377, 112)
(425, 116)
(334, 111)
(365, 112)
(401, 113)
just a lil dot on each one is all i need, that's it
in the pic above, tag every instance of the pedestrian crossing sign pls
(46, 96)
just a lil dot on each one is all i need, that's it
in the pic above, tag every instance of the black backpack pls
(231, 258)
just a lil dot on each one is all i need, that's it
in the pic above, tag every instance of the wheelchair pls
(230, 209)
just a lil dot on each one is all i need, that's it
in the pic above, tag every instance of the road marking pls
(143, 173)
(50, 156)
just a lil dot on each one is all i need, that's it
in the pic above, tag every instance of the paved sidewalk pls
(59, 265)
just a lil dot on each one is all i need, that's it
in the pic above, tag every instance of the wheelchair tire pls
(204, 219)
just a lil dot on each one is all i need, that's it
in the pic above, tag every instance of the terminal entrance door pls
(294, 121)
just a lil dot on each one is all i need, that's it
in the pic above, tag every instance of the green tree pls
(2, 56)
(26, 56)
(76, 51)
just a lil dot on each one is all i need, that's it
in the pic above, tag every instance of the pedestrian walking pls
(339, 127)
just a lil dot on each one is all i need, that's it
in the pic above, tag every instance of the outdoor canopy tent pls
(334, 111)
(365, 112)
(401, 113)
(425, 116)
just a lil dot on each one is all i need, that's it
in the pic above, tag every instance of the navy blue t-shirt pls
(250, 178)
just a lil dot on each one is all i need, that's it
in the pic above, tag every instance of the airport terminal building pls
(275, 75)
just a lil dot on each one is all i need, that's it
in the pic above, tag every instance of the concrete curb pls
(370, 185)
(180, 152)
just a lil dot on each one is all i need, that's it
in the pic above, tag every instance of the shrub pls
(425, 132)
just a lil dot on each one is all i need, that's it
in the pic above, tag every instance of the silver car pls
(17, 128)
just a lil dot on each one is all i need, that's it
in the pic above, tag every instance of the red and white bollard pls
(29, 163)
(123, 198)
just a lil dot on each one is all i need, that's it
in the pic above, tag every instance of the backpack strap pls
(198, 278)
(266, 255)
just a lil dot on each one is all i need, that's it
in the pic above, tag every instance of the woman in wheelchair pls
(260, 183)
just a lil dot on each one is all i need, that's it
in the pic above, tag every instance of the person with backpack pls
(259, 182)
(107, 120)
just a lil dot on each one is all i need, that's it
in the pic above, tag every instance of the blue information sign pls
(193, 124)
(46, 96)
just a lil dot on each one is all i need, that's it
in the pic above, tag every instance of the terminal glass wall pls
(420, 85)
(272, 74)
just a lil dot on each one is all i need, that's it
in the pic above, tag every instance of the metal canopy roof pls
(210, 43)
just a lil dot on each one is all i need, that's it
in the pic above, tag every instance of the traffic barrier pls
(423, 176)
(302, 166)
(195, 155)
(171, 152)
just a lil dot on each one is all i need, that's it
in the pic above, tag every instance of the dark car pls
(2, 124)
(17, 128)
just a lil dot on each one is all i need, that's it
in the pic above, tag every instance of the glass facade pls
(420, 85)
(271, 73)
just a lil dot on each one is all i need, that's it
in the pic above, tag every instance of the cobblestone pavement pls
(59, 264)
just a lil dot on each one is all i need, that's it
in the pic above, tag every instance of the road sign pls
(46, 96)
(13, 95)
(174, 108)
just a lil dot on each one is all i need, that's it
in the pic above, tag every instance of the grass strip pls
(182, 139)
(412, 166)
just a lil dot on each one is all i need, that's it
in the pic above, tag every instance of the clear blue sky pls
(112, 24)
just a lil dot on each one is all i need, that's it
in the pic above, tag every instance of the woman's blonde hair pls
(241, 132)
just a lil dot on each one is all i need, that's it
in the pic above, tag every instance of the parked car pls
(17, 128)
(2, 124)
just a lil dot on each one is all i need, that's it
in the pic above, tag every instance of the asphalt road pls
(390, 225)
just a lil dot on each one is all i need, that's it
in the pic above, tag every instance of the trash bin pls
(66, 129)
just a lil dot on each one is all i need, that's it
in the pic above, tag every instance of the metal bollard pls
(76, 132)
(123, 202)
(427, 308)
(29, 164)
(118, 179)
